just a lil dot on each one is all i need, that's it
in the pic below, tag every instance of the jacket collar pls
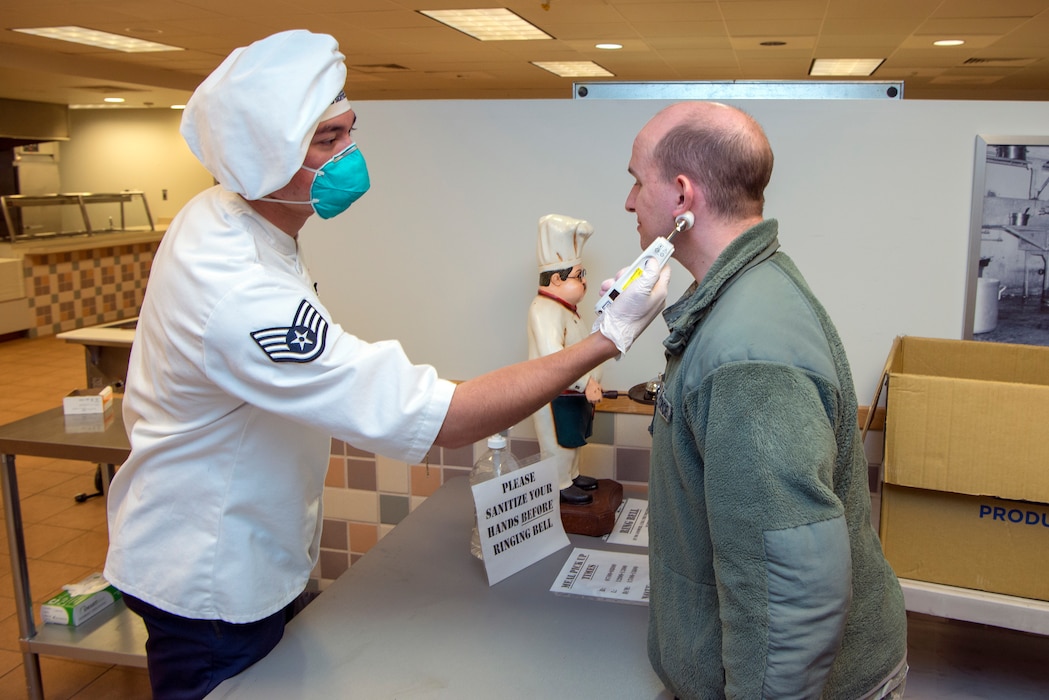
(753, 246)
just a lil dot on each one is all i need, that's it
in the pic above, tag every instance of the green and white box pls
(69, 609)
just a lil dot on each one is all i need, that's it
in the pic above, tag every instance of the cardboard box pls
(966, 478)
(84, 401)
(68, 609)
(978, 542)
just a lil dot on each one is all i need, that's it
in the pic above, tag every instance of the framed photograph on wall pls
(1007, 281)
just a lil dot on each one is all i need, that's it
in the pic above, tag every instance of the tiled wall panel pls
(366, 495)
(86, 287)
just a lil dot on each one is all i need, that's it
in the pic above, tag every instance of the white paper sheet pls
(611, 576)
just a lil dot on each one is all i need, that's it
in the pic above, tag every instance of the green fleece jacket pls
(768, 580)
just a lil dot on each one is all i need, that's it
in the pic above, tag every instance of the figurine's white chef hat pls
(251, 121)
(561, 241)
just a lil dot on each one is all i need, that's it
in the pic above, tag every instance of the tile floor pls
(67, 540)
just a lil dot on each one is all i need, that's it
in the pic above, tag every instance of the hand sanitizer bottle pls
(495, 462)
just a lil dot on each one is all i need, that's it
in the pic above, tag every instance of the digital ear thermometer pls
(659, 250)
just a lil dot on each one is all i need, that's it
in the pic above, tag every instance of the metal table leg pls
(108, 471)
(20, 577)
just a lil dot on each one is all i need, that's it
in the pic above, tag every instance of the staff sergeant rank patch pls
(303, 341)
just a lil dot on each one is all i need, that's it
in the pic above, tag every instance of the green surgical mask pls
(337, 184)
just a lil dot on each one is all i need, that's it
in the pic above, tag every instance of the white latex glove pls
(634, 309)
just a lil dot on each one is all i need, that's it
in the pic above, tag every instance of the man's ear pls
(687, 192)
(555, 280)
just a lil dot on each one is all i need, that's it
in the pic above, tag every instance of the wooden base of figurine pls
(597, 518)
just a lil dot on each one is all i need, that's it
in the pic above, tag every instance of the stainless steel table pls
(117, 636)
(415, 617)
(106, 348)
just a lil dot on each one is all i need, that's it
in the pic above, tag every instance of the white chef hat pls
(561, 241)
(251, 121)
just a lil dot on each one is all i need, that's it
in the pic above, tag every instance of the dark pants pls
(188, 658)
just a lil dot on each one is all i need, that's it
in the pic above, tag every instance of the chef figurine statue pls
(563, 425)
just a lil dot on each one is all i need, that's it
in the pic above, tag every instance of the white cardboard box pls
(82, 401)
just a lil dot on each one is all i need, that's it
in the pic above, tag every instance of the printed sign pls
(631, 524)
(611, 576)
(519, 519)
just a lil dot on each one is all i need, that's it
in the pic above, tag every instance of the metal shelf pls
(1011, 612)
(114, 636)
(117, 636)
(1029, 162)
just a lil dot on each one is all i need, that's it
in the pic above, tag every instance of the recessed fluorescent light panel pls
(574, 69)
(100, 105)
(496, 24)
(845, 66)
(104, 40)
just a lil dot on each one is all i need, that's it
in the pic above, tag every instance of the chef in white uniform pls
(239, 377)
(554, 322)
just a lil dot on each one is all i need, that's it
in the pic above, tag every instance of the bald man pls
(767, 577)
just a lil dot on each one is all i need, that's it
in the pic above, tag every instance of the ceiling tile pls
(663, 40)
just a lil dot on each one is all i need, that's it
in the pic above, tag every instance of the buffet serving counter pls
(415, 617)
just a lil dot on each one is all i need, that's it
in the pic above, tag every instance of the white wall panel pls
(873, 199)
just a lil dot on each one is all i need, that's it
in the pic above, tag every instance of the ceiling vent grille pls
(999, 61)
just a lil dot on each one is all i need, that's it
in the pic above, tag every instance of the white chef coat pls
(237, 381)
